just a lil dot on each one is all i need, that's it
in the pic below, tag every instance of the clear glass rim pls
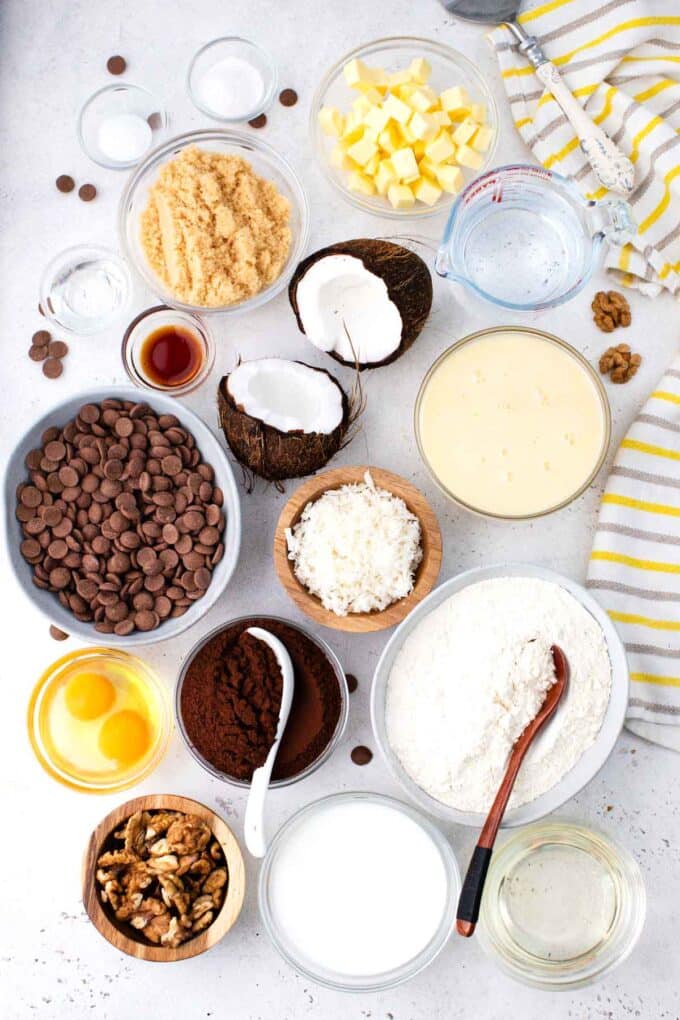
(47, 279)
(270, 85)
(122, 86)
(377, 46)
(567, 348)
(230, 136)
(342, 685)
(593, 964)
(397, 976)
(196, 380)
(536, 171)
(52, 674)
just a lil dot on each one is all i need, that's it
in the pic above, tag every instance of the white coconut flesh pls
(346, 309)
(287, 395)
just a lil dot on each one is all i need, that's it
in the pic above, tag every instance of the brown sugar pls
(213, 230)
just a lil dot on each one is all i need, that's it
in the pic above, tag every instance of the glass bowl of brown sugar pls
(228, 695)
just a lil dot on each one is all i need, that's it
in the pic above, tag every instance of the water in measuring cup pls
(524, 250)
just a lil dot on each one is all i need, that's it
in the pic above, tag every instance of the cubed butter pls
(442, 118)
(400, 196)
(467, 156)
(441, 148)
(331, 120)
(424, 126)
(404, 163)
(362, 151)
(420, 70)
(424, 99)
(397, 109)
(340, 160)
(425, 191)
(385, 175)
(481, 140)
(464, 131)
(455, 100)
(372, 165)
(357, 73)
(377, 118)
(353, 129)
(406, 134)
(398, 78)
(478, 112)
(449, 178)
(361, 183)
(390, 139)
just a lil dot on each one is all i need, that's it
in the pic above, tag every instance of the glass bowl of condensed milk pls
(512, 422)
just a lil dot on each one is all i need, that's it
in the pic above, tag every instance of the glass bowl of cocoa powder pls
(228, 696)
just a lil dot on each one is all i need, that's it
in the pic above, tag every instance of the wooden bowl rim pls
(428, 569)
(233, 902)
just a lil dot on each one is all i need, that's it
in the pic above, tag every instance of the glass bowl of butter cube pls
(401, 125)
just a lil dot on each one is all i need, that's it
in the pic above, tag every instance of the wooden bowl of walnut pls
(163, 878)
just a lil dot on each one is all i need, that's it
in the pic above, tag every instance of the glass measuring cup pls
(524, 237)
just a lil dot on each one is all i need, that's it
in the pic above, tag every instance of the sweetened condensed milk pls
(512, 422)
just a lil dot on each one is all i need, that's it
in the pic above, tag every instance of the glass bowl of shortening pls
(467, 670)
(214, 221)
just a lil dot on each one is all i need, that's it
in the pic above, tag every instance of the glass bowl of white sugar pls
(232, 80)
(466, 671)
(119, 124)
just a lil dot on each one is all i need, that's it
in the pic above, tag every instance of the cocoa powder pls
(231, 696)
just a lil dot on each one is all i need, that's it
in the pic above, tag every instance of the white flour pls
(471, 676)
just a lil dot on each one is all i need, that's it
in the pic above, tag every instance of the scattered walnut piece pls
(168, 880)
(610, 309)
(619, 364)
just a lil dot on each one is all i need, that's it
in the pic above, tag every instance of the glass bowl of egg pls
(99, 720)
(401, 125)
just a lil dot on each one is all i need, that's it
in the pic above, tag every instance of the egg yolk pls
(89, 695)
(124, 736)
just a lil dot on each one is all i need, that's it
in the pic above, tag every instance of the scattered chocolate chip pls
(288, 97)
(361, 755)
(37, 353)
(258, 122)
(352, 683)
(155, 121)
(116, 65)
(87, 192)
(52, 368)
(41, 338)
(57, 634)
(65, 183)
(57, 349)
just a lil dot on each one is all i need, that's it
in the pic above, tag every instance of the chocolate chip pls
(116, 65)
(57, 349)
(37, 353)
(65, 183)
(52, 368)
(41, 338)
(258, 122)
(89, 413)
(57, 634)
(155, 121)
(361, 755)
(352, 683)
(288, 97)
(86, 192)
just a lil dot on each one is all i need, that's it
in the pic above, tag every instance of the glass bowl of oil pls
(168, 351)
(99, 720)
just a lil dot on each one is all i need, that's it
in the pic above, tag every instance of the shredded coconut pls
(356, 548)
(474, 672)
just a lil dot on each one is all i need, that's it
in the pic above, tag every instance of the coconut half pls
(282, 419)
(364, 302)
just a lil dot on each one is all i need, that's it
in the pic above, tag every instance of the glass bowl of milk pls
(512, 422)
(359, 892)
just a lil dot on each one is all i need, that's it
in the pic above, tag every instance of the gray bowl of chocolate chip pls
(122, 517)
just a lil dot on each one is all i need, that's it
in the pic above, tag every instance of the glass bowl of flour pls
(467, 670)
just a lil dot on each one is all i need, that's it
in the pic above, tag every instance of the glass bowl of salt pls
(231, 80)
(119, 124)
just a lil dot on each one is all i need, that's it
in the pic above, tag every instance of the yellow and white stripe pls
(621, 58)
(634, 568)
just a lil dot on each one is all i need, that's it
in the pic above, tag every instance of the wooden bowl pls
(426, 574)
(121, 935)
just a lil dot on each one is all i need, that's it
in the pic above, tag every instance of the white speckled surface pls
(52, 963)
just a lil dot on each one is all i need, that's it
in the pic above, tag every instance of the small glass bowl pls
(365, 983)
(449, 68)
(89, 657)
(233, 46)
(548, 338)
(555, 950)
(146, 323)
(265, 161)
(112, 101)
(85, 289)
(342, 686)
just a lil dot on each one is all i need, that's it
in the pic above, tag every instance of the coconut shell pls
(407, 278)
(270, 453)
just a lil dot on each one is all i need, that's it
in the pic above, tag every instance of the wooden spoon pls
(473, 885)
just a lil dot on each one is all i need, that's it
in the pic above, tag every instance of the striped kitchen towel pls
(621, 59)
(634, 569)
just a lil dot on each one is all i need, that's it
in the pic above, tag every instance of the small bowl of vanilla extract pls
(168, 351)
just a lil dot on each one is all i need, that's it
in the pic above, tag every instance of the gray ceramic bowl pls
(213, 453)
(590, 762)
